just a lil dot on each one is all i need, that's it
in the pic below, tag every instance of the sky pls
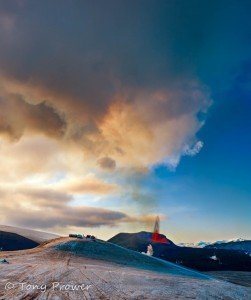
(114, 112)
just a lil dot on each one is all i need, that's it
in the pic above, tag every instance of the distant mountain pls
(203, 244)
(240, 245)
(11, 241)
(34, 235)
(200, 244)
(203, 259)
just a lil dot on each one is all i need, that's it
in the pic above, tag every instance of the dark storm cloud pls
(85, 58)
(87, 51)
(101, 67)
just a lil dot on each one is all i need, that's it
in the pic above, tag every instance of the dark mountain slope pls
(11, 241)
(234, 245)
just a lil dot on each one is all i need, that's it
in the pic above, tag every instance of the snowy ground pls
(30, 274)
(36, 236)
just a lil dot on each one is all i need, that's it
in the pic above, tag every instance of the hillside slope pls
(109, 272)
(106, 251)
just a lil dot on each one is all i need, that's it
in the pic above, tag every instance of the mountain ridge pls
(202, 259)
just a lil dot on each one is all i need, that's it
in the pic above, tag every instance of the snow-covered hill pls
(34, 235)
(109, 272)
(116, 254)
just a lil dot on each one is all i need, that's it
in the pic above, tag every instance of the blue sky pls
(214, 186)
(215, 183)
